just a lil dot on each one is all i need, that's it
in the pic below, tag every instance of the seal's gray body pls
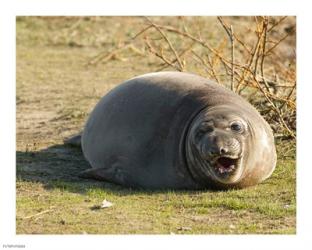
(136, 134)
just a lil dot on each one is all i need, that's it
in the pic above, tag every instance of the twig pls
(260, 33)
(212, 69)
(229, 30)
(276, 44)
(289, 95)
(270, 95)
(181, 66)
(251, 59)
(278, 112)
(75, 24)
(210, 66)
(242, 43)
(180, 55)
(188, 35)
(42, 212)
(141, 32)
(161, 56)
(265, 27)
(103, 56)
(277, 23)
(232, 57)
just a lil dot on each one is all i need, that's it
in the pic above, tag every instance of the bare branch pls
(229, 30)
(159, 55)
(181, 66)
(277, 23)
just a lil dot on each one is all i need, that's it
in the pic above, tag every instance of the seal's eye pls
(208, 129)
(205, 129)
(237, 127)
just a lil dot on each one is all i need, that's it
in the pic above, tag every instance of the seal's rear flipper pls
(74, 141)
(97, 173)
(104, 174)
(88, 174)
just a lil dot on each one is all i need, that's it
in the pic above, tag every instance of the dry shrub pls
(254, 56)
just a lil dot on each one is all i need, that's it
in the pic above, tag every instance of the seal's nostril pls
(223, 150)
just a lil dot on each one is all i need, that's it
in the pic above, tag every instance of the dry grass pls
(251, 61)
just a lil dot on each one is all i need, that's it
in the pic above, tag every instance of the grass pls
(266, 208)
(56, 91)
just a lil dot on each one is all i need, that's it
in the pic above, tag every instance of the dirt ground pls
(56, 90)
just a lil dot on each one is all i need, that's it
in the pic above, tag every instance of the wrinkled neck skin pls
(250, 143)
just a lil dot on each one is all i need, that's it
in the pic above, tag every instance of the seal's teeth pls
(224, 169)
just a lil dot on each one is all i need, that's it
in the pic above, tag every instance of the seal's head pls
(224, 145)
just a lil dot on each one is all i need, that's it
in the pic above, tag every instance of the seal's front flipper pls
(74, 141)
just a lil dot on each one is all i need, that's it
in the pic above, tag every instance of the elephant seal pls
(173, 130)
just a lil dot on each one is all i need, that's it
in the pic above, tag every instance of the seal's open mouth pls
(225, 165)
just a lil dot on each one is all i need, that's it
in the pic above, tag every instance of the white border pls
(157, 7)
(7, 130)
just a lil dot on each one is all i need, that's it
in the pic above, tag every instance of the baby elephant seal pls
(172, 130)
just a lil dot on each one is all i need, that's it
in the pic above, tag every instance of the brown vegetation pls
(257, 62)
